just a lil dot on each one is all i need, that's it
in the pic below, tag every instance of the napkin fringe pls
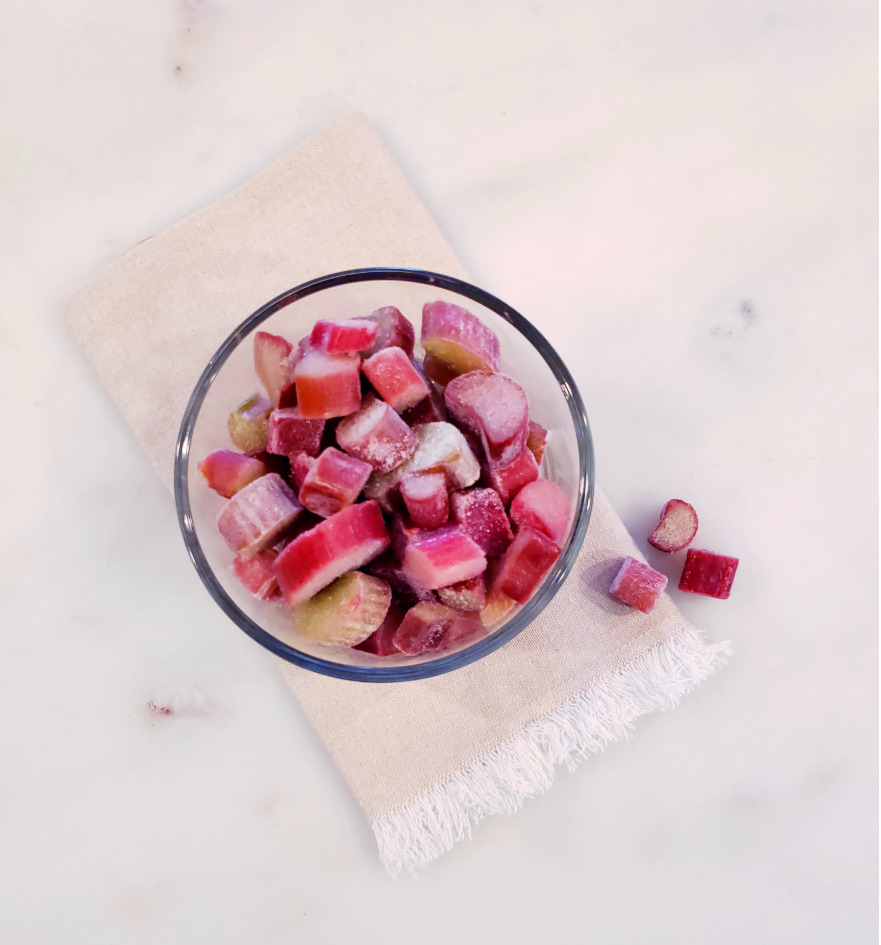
(427, 827)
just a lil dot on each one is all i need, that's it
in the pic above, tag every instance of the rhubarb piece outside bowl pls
(229, 378)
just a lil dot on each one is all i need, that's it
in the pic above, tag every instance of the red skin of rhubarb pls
(258, 576)
(426, 498)
(442, 557)
(524, 565)
(395, 331)
(481, 515)
(509, 480)
(344, 542)
(424, 627)
(676, 528)
(333, 482)
(376, 435)
(387, 566)
(395, 379)
(708, 573)
(381, 641)
(638, 585)
(466, 595)
(271, 354)
(256, 516)
(459, 339)
(347, 337)
(543, 506)
(537, 440)
(494, 408)
(227, 472)
(328, 385)
(290, 433)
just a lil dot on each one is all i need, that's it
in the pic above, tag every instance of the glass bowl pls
(229, 378)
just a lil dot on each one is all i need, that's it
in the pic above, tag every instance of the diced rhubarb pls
(290, 433)
(458, 339)
(537, 440)
(525, 563)
(676, 528)
(466, 595)
(346, 612)
(257, 574)
(376, 435)
(442, 557)
(708, 573)
(430, 409)
(395, 331)
(248, 424)
(496, 608)
(465, 626)
(436, 370)
(395, 379)
(387, 566)
(271, 353)
(424, 627)
(328, 385)
(227, 472)
(255, 517)
(381, 641)
(509, 480)
(638, 585)
(333, 482)
(543, 506)
(346, 337)
(481, 515)
(343, 542)
(426, 498)
(494, 408)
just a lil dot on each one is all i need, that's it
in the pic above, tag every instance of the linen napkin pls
(425, 759)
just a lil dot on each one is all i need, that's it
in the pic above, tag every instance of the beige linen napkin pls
(425, 759)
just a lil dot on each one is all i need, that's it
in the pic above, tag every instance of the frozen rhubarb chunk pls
(227, 472)
(328, 385)
(376, 435)
(442, 557)
(255, 517)
(381, 641)
(465, 626)
(537, 440)
(395, 331)
(430, 409)
(525, 563)
(301, 463)
(708, 573)
(334, 481)
(509, 480)
(290, 433)
(426, 498)
(387, 566)
(424, 627)
(435, 370)
(458, 339)
(481, 515)
(345, 337)
(466, 595)
(346, 612)
(271, 354)
(343, 542)
(494, 408)
(496, 608)
(395, 379)
(257, 574)
(543, 506)
(248, 424)
(676, 528)
(638, 585)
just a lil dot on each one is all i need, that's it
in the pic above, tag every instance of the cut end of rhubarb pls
(543, 506)
(248, 424)
(495, 408)
(227, 472)
(255, 517)
(676, 528)
(458, 339)
(346, 612)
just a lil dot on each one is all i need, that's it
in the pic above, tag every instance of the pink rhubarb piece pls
(458, 339)
(290, 433)
(377, 435)
(426, 498)
(257, 574)
(301, 463)
(638, 585)
(509, 480)
(227, 472)
(255, 516)
(494, 408)
(426, 626)
(387, 566)
(341, 543)
(537, 440)
(481, 515)
(708, 573)
(676, 528)
(523, 566)
(345, 337)
(430, 409)
(543, 506)
(466, 595)
(381, 641)
(395, 331)
(333, 481)
(496, 608)
(274, 360)
(248, 424)
(395, 379)
(442, 557)
(328, 385)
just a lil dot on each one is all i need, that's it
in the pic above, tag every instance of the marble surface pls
(683, 196)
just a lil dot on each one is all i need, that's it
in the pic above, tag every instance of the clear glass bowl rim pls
(481, 648)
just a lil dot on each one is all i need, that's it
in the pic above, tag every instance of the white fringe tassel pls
(427, 827)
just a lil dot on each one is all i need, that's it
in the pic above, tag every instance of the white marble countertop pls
(683, 196)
